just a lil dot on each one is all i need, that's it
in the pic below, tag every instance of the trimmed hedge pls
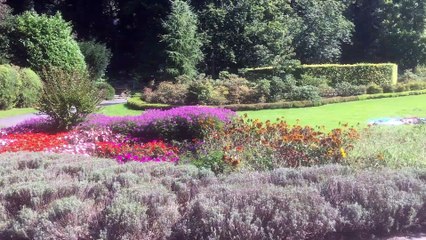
(324, 101)
(356, 74)
(136, 104)
(77, 197)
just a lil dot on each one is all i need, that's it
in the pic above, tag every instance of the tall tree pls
(388, 31)
(325, 28)
(182, 39)
(4, 41)
(247, 33)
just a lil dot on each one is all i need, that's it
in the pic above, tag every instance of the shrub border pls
(136, 104)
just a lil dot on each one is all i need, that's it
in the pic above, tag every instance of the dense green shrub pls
(401, 87)
(263, 90)
(136, 103)
(168, 93)
(346, 89)
(308, 80)
(239, 88)
(41, 41)
(106, 91)
(310, 93)
(97, 57)
(388, 88)
(356, 74)
(327, 91)
(68, 196)
(10, 85)
(200, 91)
(374, 89)
(31, 88)
(67, 97)
(416, 85)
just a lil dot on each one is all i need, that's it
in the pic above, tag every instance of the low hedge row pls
(136, 104)
(325, 101)
(76, 197)
(356, 74)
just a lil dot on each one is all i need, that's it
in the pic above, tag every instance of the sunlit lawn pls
(330, 116)
(353, 113)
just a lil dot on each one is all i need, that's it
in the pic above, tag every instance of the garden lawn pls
(119, 110)
(353, 113)
(16, 112)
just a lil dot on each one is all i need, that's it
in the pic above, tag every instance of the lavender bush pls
(75, 197)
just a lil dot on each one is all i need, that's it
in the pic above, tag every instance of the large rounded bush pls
(9, 86)
(41, 41)
(106, 90)
(31, 88)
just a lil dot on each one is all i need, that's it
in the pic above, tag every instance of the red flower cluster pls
(157, 151)
(32, 142)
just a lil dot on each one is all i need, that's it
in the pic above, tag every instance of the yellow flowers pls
(343, 152)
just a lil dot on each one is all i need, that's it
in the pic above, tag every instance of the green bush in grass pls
(106, 91)
(31, 88)
(10, 84)
(374, 89)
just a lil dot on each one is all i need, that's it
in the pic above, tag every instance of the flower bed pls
(207, 137)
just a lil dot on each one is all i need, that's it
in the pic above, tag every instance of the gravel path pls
(12, 121)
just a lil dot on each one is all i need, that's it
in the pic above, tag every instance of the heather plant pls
(67, 98)
(45, 196)
(181, 123)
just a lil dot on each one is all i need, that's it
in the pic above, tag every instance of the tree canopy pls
(245, 33)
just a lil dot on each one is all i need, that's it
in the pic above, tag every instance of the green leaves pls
(40, 41)
(183, 40)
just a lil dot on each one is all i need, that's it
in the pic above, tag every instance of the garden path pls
(12, 121)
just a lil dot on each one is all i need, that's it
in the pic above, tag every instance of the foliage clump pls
(41, 41)
(67, 98)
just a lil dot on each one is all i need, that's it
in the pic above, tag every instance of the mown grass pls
(119, 110)
(353, 113)
(395, 147)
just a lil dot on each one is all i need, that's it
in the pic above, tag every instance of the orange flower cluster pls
(266, 145)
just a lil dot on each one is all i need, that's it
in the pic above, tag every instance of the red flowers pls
(157, 151)
(33, 142)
